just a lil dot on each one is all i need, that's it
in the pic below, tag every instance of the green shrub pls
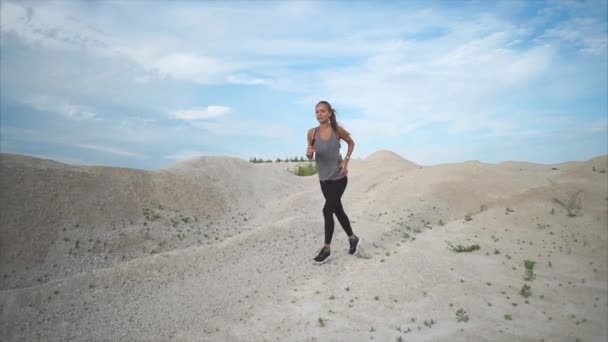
(308, 170)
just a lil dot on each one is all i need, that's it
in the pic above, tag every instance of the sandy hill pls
(243, 184)
(390, 159)
(220, 249)
(96, 214)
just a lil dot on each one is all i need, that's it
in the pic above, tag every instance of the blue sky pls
(146, 83)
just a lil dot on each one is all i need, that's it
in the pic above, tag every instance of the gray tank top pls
(327, 156)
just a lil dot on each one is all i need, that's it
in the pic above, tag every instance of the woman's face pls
(322, 113)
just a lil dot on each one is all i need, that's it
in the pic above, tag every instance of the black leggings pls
(332, 191)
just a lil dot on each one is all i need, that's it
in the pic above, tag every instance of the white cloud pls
(53, 27)
(247, 80)
(54, 105)
(194, 68)
(459, 82)
(110, 150)
(188, 154)
(600, 126)
(229, 127)
(50, 25)
(77, 113)
(200, 113)
(527, 66)
(587, 33)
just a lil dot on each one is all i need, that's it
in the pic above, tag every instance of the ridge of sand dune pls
(245, 184)
(385, 158)
(378, 167)
(257, 283)
(17, 160)
(463, 188)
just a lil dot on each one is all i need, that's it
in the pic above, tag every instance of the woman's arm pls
(345, 135)
(309, 148)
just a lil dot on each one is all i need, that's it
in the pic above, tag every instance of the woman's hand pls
(310, 152)
(344, 167)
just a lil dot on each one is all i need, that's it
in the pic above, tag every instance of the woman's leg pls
(340, 214)
(329, 192)
(332, 191)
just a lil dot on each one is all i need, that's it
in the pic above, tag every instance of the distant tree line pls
(278, 160)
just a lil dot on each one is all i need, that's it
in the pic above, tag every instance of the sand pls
(220, 249)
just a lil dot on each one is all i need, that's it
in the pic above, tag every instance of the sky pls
(144, 84)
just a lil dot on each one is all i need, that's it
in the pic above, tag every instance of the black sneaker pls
(323, 256)
(354, 243)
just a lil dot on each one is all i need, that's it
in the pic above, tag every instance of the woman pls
(324, 141)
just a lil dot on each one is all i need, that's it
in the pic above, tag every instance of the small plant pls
(541, 226)
(526, 291)
(460, 248)
(574, 206)
(307, 170)
(461, 315)
(529, 273)
(151, 215)
(508, 317)
(322, 322)
(467, 217)
(399, 339)
(529, 264)
(332, 297)
(376, 298)
(496, 251)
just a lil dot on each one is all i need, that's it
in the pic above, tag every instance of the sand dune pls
(390, 159)
(220, 249)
